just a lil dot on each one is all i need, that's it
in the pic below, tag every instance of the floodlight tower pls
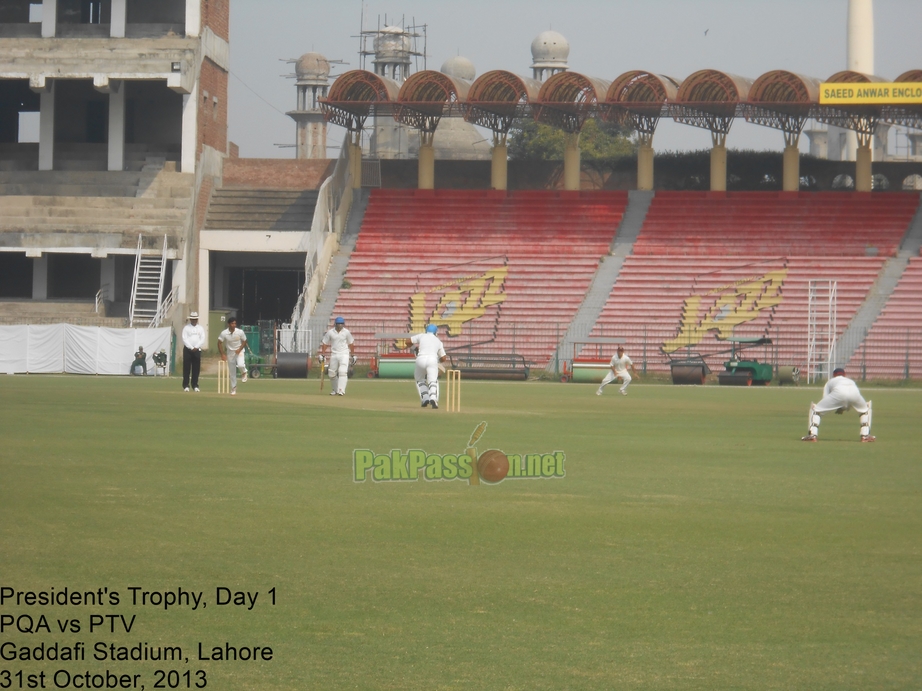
(860, 58)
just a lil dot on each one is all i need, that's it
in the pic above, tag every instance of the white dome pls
(312, 66)
(460, 68)
(392, 42)
(550, 48)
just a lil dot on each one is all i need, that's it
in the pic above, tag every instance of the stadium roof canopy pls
(427, 96)
(783, 100)
(860, 118)
(638, 98)
(708, 98)
(498, 98)
(568, 99)
(908, 116)
(353, 96)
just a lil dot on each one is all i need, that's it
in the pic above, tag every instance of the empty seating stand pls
(891, 349)
(425, 243)
(695, 249)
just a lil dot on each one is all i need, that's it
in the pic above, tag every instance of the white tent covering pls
(55, 348)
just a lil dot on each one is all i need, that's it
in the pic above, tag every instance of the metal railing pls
(163, 311)
(333, 202)
(101, 296)
(884, 353)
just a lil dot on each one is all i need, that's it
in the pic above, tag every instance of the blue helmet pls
(431, 329)
(339, 320)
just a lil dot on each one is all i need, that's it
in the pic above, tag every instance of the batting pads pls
(865, 420)
(813, 421)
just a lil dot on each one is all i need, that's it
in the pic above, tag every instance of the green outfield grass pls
(695, 542)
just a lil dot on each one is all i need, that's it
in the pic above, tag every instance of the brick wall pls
(277, 173)
(216, 14)
(212, 115)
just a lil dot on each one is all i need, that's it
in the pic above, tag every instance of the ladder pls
(821, 329)
(147, 287)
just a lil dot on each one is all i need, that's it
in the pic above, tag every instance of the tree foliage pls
(598, 141)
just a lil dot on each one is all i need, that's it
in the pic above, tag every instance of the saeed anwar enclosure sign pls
(878, 93)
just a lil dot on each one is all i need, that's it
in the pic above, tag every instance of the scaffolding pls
(821, 329)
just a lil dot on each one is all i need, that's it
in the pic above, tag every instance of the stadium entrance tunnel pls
(260, 286)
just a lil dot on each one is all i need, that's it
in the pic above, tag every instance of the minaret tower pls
(313, 74)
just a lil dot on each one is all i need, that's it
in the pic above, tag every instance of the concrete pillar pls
(645, 166)
(819, 143)
(863, 179)
(915, 143)
(204, 294)
(193, 23)
(119, 15)
(116, 142)
(571, 163)
(426, 161)
(791, 175)
(355, 160)
(189, 129)
(40, 277)
(499, 170)
(107, 276)
(49, 18)
(719, 164)
(46, 129)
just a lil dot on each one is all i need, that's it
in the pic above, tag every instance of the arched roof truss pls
(567, 99)
(354, 95)
(497, 98)
(427, 96)
(709, 99)
(782, 100)
(862, 119)
(638, 99)
(908, 115)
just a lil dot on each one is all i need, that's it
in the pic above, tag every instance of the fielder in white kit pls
(840, 394)
(429, 353)
(340, 343)
(619, 370)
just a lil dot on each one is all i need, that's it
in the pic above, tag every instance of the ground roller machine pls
(691, 368)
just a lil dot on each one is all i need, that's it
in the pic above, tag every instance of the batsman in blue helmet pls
(429, 353)
(340, 343)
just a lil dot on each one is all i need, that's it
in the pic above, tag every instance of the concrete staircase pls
(851, 339)
(81, 157)
(79, 312)
(319, 321)
(261, 209)
(605, 277)
(58, 209)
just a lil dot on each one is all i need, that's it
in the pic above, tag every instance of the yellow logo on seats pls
(724, 308)
(459, 300)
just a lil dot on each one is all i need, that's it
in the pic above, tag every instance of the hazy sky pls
(607, 38)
